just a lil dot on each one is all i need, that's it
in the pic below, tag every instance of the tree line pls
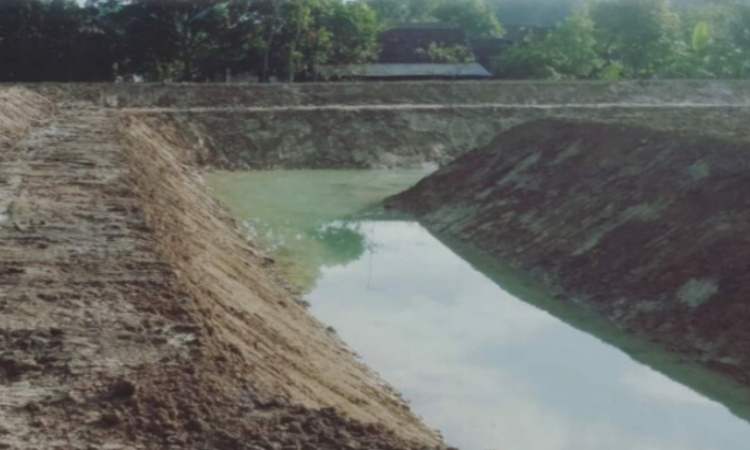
(180, 40)
(638, 39)
(200, 40)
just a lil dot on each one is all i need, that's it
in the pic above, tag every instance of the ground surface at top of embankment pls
(410, 93)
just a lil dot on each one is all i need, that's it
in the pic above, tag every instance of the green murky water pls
(487, 369)
(299, 215)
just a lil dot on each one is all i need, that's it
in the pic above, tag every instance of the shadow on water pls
(715, 386)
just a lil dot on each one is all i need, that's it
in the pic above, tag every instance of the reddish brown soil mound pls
(652, 228)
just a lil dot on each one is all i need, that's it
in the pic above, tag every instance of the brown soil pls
(133, 315)
(648, 227)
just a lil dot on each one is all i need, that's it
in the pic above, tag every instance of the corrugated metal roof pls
(473, 69)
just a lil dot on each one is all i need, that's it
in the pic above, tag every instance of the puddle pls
(487, 369)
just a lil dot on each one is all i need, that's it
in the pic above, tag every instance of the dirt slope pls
(133, 315)
(651, 228)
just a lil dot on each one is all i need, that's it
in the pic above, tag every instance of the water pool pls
(489, 370)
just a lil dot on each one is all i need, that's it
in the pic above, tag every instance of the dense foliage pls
(184, 40)
(198, 40)
(638, 39)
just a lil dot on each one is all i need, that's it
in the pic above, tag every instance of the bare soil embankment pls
(649, 228)
(134, 315)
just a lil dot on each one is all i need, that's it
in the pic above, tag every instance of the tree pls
(573, 48)
(393, 12)
(534, 12)
(719, 37)
(638, 39)
(293, 37)
(472, 16)
(171, 39)
(643, 35)
(53, 40)
(522, 62)
(299, 15)
(567, 52)
(739, 36)
(354, 28)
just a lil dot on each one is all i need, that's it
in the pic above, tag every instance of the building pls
(405, 72)
(405, 55)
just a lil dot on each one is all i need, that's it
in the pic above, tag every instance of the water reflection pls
(342, 243)
(302, 217)
(302, 253)
(493, 372)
